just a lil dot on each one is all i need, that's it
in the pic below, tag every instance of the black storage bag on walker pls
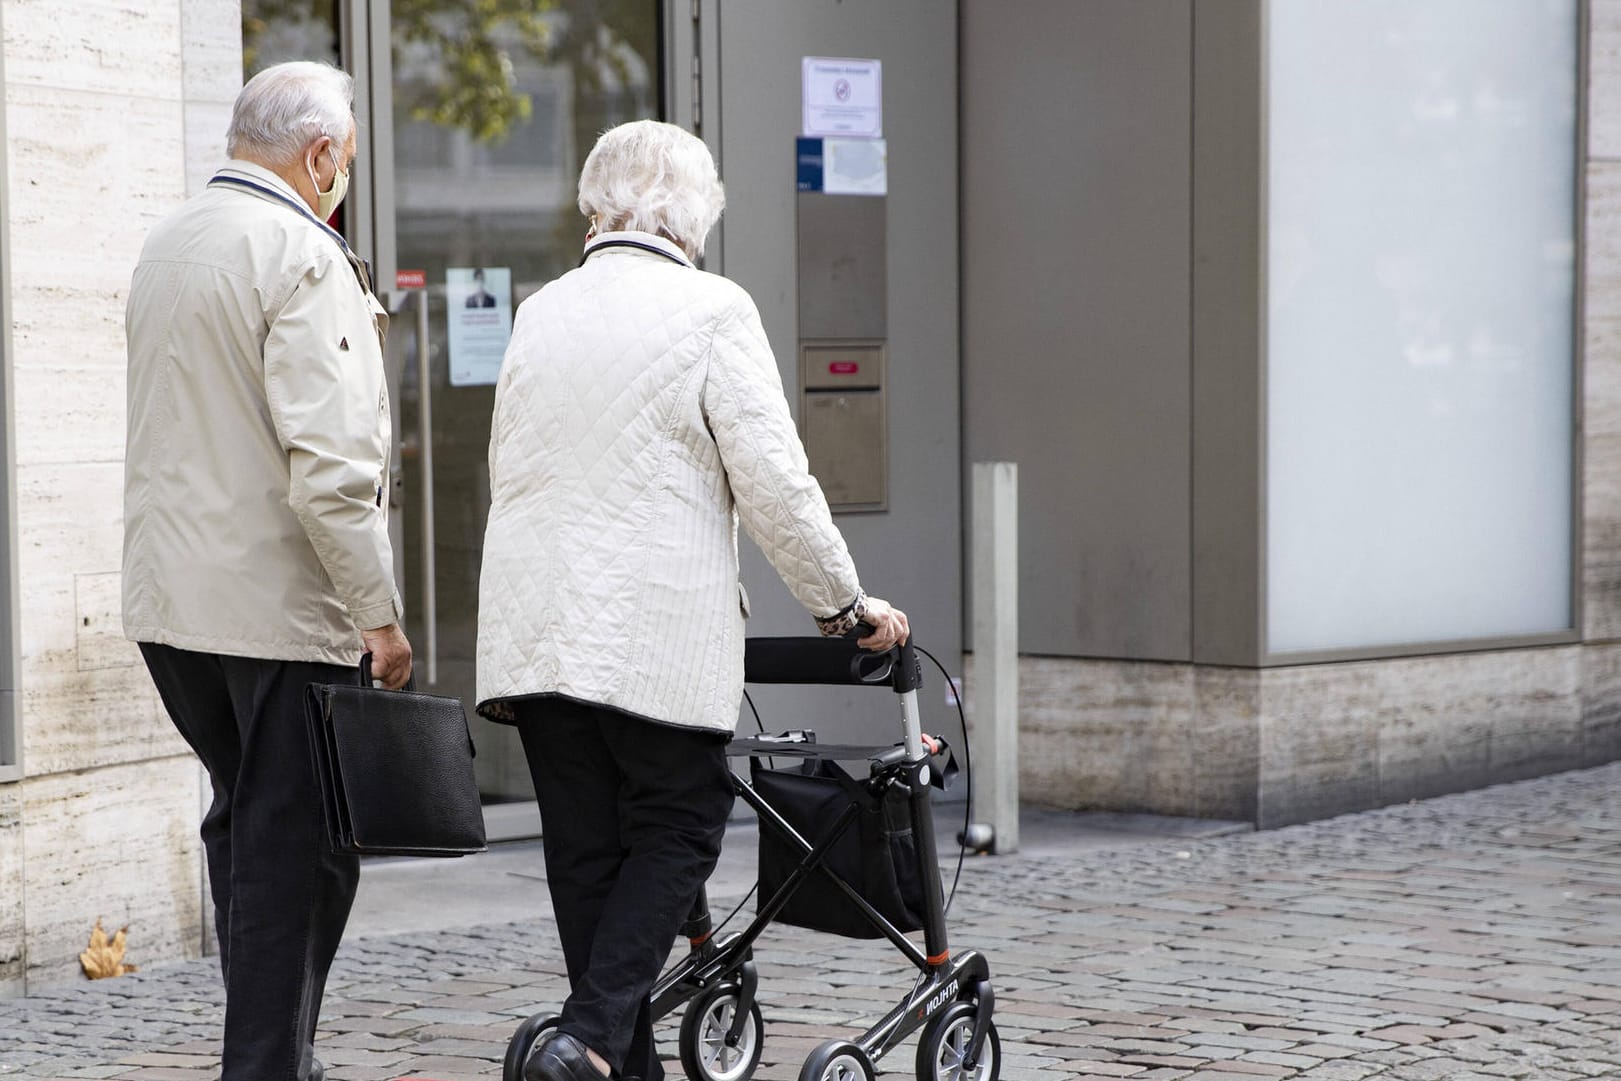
(877, 853)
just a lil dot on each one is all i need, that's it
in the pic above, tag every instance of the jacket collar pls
(261, 183)
(633, 242)
(248, 170)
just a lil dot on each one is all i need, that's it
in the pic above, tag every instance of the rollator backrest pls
(829, 661)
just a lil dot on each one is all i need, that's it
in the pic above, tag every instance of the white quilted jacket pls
(638, 416)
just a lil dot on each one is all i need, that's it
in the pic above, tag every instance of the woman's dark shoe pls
(561, 1058)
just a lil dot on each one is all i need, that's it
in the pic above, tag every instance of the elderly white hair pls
(655, 178)
(286, 107)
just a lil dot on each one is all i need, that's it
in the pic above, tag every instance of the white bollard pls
(995, 736)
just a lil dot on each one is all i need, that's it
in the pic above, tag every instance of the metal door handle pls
(430, 586)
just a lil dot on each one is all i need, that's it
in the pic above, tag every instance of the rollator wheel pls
(523, 1041)
(704, 1054)
(837, 1060)
(944, 1044)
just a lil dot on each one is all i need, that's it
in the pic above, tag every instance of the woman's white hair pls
(654, 178)
(286, 107)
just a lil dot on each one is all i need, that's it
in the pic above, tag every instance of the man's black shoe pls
(561, 1058)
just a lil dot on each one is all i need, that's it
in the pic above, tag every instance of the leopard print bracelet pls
(844, 621)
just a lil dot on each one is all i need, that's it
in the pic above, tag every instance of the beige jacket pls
(638, 416)
(256, 476)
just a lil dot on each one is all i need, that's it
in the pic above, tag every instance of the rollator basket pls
(878, 855)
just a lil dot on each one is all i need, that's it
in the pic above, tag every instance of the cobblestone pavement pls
(1467, 937)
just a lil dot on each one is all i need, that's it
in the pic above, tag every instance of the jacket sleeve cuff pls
(378, 615)
(845, 619)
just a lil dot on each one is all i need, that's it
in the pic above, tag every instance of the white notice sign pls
(842, 96)
(478, 302)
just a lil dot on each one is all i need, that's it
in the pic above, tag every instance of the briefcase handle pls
(411, 685)
(365, 673)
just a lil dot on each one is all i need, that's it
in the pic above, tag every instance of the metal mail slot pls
(841, 365)
(846, 442)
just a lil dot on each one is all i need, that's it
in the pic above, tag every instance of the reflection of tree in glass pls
(474, 86)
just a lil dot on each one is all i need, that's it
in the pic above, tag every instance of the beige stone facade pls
(113, 112)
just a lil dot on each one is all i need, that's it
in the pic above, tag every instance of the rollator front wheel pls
(838, 1060)
(705, 1055)
(523, 1041)
(944, 1045)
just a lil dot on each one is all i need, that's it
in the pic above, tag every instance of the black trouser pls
(632, 814)
(281, 897)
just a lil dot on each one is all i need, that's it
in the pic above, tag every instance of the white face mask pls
(327, 201)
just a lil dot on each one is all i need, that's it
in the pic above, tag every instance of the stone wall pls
(1283, 745)
(113, 109)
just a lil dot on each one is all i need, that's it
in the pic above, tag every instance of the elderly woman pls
(639, 416)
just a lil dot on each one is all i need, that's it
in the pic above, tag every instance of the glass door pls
(494, 108)
(475, 119)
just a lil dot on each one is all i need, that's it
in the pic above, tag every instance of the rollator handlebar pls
(831, 661)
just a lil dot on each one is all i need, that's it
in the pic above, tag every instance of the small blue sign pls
(808, 154)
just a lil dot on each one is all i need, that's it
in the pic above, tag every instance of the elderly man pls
(256, 550)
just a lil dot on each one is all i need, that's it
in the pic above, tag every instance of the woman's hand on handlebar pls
(888, 623)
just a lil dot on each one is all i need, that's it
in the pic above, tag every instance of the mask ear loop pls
(591, 233)
(315, 178)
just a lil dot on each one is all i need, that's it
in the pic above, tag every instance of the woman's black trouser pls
(632, 815)
(281, 897)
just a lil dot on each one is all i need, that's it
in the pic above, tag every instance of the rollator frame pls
(947, 979)
(728, 962)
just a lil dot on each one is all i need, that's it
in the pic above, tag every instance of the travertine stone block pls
(1318, 745)
(1533, 698)
(1602, 269)
(1601, 704)
(1604, 80)
(118, 843)
(99, 623)
(74, 720)
(109, 166)
(211, 50)
(113, 47)
(206, 124)
(1106, 734)
(1344, 737)
(11, 890)
(1601, 537)
(70, 521)
(1226, 742)
(69, 414)
(79, 709)
(1601, 405)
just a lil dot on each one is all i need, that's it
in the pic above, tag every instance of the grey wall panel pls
(911, 553)
(1076, 238)
(1229, 376)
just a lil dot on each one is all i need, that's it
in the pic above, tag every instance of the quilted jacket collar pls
(632, 242)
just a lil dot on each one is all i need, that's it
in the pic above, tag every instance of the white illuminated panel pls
(1420, 276)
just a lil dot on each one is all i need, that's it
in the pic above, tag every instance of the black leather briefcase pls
(395, 769)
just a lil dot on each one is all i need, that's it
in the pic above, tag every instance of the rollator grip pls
(908, 674)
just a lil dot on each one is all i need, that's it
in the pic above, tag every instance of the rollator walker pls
(951, 1001)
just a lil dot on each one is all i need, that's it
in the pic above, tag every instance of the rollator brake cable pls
(967, 768)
